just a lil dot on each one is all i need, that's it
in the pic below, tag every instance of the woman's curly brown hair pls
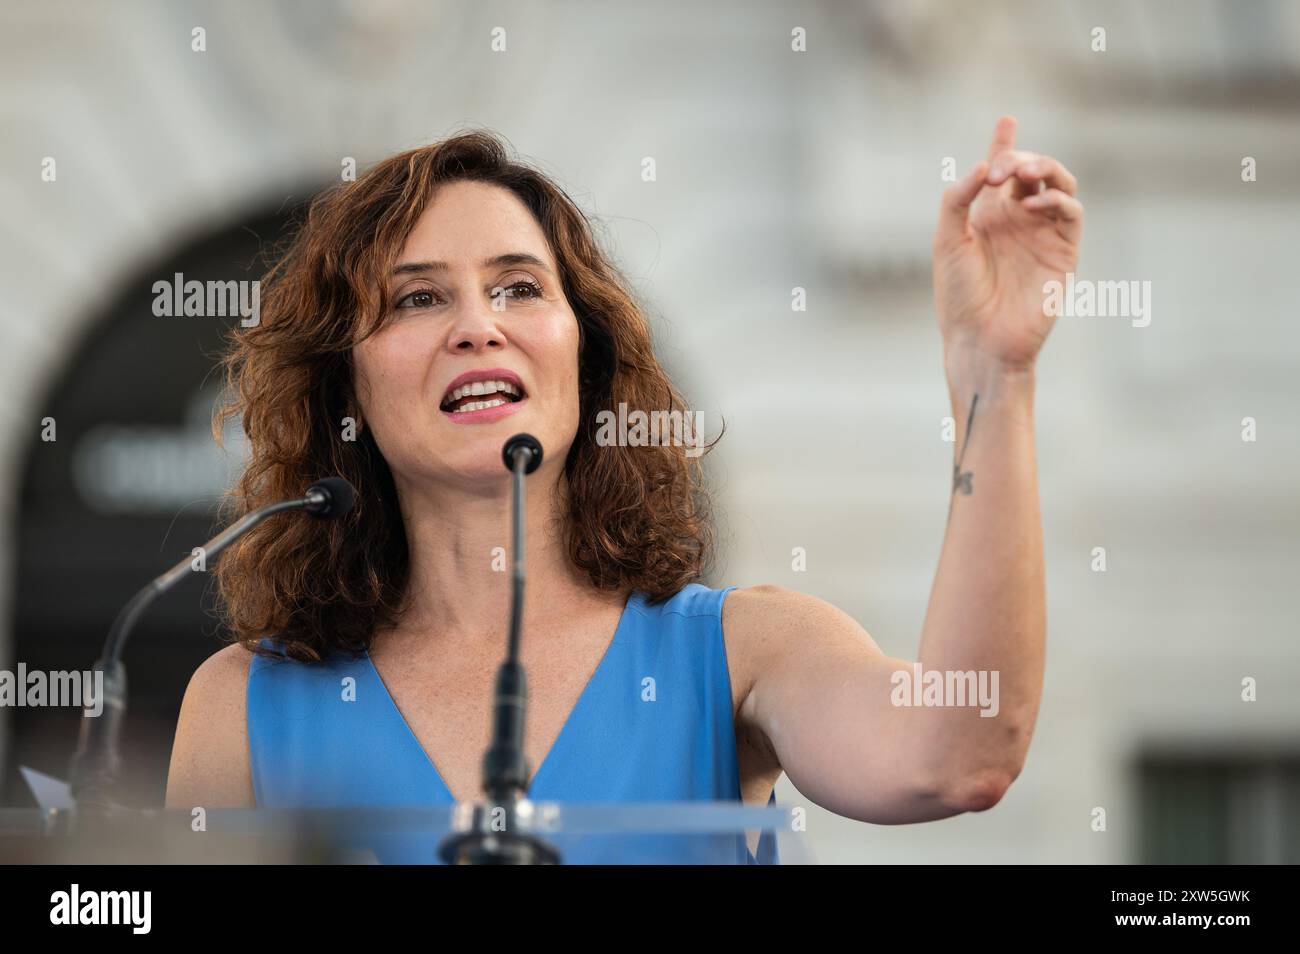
(638, 517)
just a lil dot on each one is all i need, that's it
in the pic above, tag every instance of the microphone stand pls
(496, 835)
(97, 762)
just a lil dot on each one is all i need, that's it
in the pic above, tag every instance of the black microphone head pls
(524, 442)
(334, 498)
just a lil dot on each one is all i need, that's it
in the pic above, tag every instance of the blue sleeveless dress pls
(653, 724)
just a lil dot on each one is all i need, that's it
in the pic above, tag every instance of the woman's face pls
(476, 295)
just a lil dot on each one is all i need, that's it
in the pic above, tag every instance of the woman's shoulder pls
(693, 599)
(748, 614)
(767, 620)
(221, 673)
(209, 763)
(772, 603)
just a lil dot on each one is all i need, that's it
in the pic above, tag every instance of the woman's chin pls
(482, 471)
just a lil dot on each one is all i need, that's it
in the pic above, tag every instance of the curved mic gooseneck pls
(96, 764)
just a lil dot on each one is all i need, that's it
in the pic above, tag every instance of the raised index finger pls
(1004, 137)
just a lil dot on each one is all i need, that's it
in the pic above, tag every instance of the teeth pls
(481, 387)
(479, 405)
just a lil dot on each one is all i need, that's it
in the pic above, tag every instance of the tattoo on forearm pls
(962, 481)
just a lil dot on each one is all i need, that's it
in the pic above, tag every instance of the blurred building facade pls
(776, 169)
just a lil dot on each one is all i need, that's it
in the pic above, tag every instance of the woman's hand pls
(993, 256)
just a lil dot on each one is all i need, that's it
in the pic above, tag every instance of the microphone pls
(505, 767)
(96, 764)
(330, 498)
(523, 443)
(505, 770)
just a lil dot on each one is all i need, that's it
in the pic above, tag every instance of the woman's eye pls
(522, 289)
(417, 299)
(426, 298)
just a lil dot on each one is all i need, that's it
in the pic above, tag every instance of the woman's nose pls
(477, 325)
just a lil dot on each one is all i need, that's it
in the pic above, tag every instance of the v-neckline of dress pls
(560, 738)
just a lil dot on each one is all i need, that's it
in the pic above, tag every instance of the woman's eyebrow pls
(509, 258)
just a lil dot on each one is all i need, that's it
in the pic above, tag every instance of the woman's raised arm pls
(887, 740)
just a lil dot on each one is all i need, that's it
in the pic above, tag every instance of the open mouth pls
(481, 395)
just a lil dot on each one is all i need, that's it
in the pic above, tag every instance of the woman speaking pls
(452, 297)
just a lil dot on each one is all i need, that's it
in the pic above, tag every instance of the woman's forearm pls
(986, 611)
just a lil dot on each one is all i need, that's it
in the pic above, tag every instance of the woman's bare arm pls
(819, 689)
